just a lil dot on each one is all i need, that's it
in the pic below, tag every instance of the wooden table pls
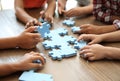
(69, 69)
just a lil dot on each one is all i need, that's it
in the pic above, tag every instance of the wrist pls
(17, 66)
(17, 42)
(102, 37)
(87, 10)
(108, 53)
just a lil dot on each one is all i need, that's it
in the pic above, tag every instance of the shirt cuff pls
(116, 23)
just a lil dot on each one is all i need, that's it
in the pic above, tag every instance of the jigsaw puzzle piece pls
(55, 54)
(62, 31)
(31, 76)
(69, 39)
(80, 44)
(41, 20)
(75, 29)
(64, 51)
(69, 22)
(68, 51)
(44, 29)
(51, 44)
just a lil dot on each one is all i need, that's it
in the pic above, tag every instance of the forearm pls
(62, 3)
(87, 9)
(8, 42)
(22, 15)
(111, 37)
(6, 69)
(51, 7)
(114, 54)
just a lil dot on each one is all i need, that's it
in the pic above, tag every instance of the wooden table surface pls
(69, 69)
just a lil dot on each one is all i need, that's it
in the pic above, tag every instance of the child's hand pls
(91, 37)
(94, 52)
(74, 12)
(46, 16)
(33, 22)
(28, 40)
(26, 62)
(93, 29)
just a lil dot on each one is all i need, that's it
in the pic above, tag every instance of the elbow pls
(17, 10)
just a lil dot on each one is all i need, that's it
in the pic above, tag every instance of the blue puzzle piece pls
(58, 54)
(70, 39)
(50, 44)
(55, 54)
(68, 51)
(31, 76)
(60, 45)
(62, 31)
(80, 44)
(75, 29)
(43, 29)
(69, 22)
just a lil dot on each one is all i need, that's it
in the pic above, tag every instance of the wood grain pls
(69, 69)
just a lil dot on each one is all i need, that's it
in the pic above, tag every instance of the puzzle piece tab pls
(69, 22)
(75, 29)
(80, 44)
(67, 51)
(31, 76)
(44, 29)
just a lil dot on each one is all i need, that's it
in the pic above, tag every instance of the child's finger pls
(30, 29)
(87, 55)
(85, 47)
(81, 37)
(84, 26)
(36, 22)
(59, 10)
(85, 51)
(42, 14)
(51, 19)
(36, 65)
(91, 58)
(41, 58)
(36, 35)
(92, 42)
(63, 11)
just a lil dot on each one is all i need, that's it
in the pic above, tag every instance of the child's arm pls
(49, 12)
(111, 37)
(25, 40)
(108, 37)
(10, 42)
(78, 11)
(97, 52)
(51, 7)
(95, 29)
(23, 16)
(21, 13)
(25, 63)
(61, 6)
